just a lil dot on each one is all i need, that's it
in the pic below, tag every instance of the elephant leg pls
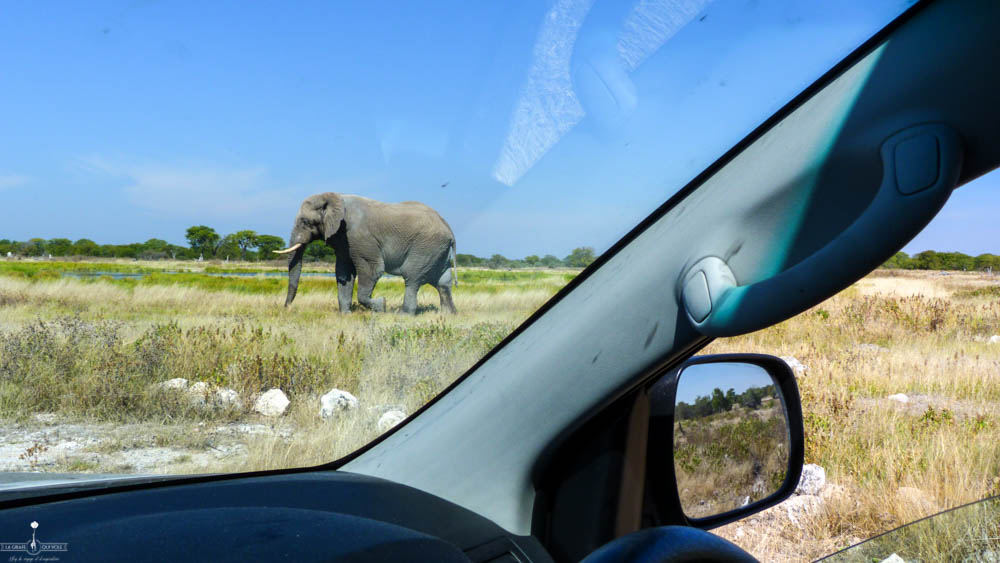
(367, 277)
(444, 291)
(345, 283)
(410, 299)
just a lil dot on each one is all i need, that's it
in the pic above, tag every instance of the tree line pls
(205, 243)
(707, 405)
(931, 260)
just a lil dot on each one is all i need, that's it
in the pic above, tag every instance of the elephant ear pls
(333, 214)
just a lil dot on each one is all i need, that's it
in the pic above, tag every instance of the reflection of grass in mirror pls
(725, 457)
(970, 533)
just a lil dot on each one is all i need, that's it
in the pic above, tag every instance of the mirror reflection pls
(731, 437)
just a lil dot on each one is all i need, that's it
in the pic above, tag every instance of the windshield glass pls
(968, 533)
(157, 156)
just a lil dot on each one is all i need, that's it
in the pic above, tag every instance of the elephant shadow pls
(420, 310)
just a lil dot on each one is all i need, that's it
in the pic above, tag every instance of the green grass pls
(487, 282)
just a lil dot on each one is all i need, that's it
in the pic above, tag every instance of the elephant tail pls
(454, 264)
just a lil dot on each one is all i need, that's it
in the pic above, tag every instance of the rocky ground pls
(45, 443)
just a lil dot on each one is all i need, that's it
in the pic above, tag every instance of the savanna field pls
(81, 357)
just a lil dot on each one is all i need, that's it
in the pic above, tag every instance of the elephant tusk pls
(292, 248)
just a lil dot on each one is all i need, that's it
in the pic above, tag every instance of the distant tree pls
(702, 406)
(550, 261)
(175, 252)
(85, 247)
(58, 246)
(731, 397)
(33, 247)
(267, 244)
(245, 240)
(228, 249)
(580, 257)
(719, 401)
(203, 240)
(750, 399)
(929, 260)
(155, 244)
(154, 249)
(319, 251)
(532, 260)
(498, 262)
(133, 250)
(989, 262)
(468, 260)
(900, 260)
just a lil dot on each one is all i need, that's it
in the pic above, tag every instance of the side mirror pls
(725, 439)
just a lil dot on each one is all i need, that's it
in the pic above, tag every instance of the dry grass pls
(726, 459)
(919, 333)
(91, 350)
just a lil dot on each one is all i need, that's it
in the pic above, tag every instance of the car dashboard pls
(315, 516)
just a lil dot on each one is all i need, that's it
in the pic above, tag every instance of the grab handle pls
(921, 167)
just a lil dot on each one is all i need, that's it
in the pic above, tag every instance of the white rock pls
(833, 490)
(899, 397)
(893, 559)
(178, 383)
(390, 419)
(796, 508)
(272, 402)
(46, 417)
(798, 367)
(812, 481)
(227, 398)
(995, 339)
(335, 401)
(198, 392)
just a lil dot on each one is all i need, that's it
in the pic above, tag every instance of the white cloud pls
(12, 180)
(203, 192)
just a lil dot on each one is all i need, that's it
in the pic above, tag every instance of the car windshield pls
(157, 155)
(967, 533)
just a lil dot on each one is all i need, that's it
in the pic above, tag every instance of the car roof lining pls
(478, 443)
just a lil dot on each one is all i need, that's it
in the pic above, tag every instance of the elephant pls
(371, 238)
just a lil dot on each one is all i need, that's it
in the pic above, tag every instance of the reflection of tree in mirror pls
(733, 454)
(753, 398)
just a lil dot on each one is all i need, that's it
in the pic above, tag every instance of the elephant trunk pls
(298, 242)
(294, 272)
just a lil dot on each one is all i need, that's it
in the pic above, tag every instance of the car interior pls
(558, 445)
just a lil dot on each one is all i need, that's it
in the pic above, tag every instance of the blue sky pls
(550, 125)
(700, 380)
